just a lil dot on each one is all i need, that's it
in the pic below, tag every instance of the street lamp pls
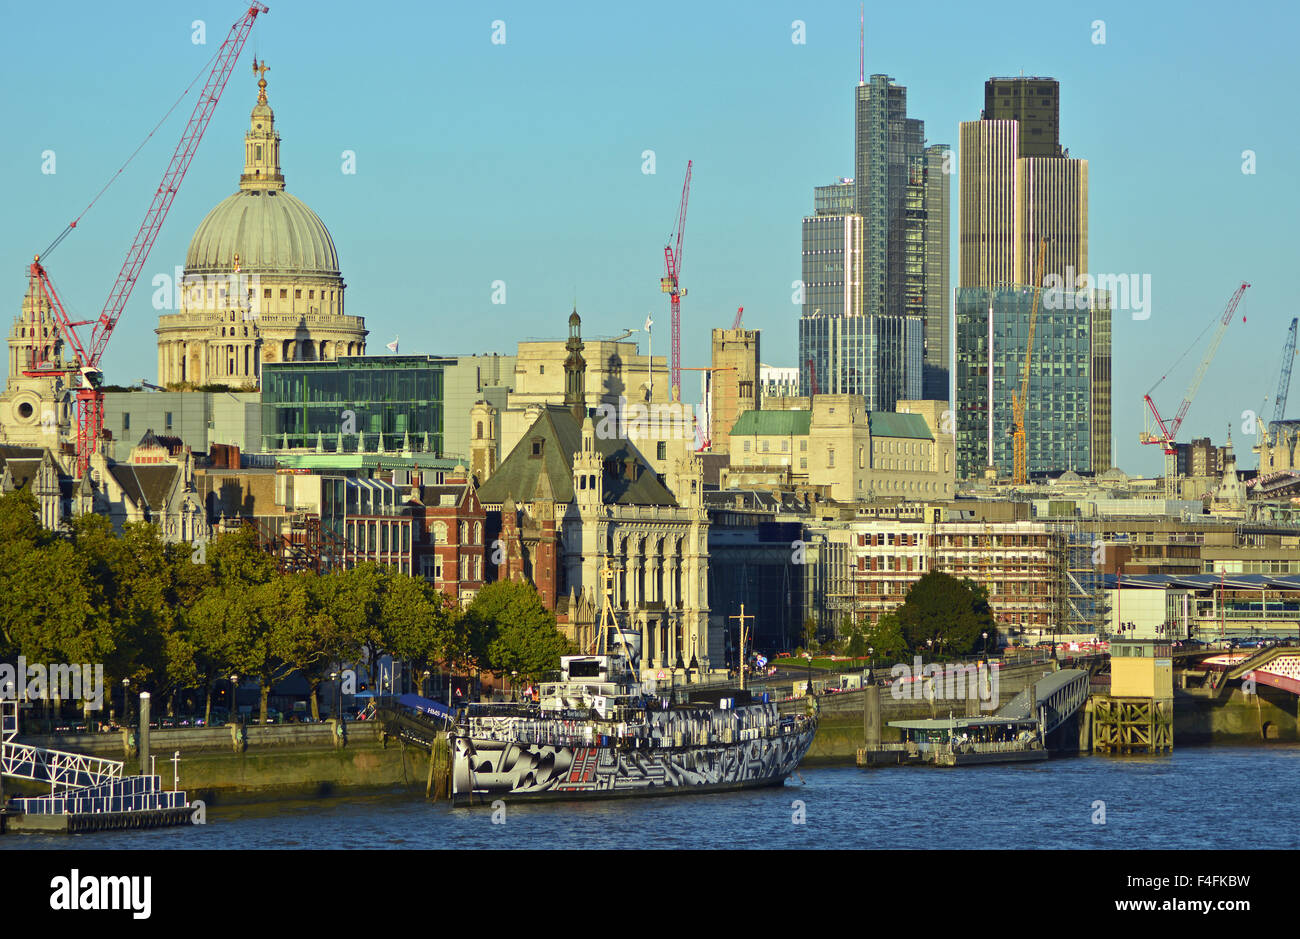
(871, 660)
(126, 702)
(234, 696)
(808, 656)
(334, 679)
(985, 644)
(514, 694)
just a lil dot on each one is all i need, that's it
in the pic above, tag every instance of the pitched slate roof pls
(146, 485)
(560, 436)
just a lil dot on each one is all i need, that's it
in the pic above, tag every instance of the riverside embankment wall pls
(222, 764)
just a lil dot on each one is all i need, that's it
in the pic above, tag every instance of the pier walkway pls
(86, 792)
(1053, 699)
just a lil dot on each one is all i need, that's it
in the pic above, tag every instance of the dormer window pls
(537, 446)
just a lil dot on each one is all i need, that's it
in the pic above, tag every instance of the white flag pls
(392, 346)
(648, 322)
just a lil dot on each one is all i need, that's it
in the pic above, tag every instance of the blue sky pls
(522, 162)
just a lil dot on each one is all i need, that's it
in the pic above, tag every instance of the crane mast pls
(670, 284)
(90, 400)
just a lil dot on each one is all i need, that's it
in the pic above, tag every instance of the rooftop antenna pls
(862, 44)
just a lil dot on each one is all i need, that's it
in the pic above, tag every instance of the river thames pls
(1169, 802)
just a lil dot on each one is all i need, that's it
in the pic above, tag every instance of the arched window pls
(480, 430)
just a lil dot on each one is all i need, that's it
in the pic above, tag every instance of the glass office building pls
(992, 334)
(878, 357)
(360, 403)
(832, 265)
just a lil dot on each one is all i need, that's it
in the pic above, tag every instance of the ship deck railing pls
(692, 737)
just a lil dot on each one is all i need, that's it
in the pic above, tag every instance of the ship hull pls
(485, 770)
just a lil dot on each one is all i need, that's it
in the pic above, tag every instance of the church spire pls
(262, 142)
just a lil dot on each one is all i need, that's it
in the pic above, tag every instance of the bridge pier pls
(1132, 725)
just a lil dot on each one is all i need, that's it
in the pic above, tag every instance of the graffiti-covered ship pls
(595, 733)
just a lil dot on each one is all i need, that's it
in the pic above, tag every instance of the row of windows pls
(431, 568)
(436, 533)
(381, 537)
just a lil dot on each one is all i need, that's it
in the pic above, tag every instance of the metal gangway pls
(59, 768)
(1053, 699)
(80, 785)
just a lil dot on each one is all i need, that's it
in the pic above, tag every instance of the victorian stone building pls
(567, 501)
(261, 281)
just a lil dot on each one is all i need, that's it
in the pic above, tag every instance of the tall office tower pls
(733, 383)
(896, 210)
(925, 285)
(842, 348)
(1018, 186)
(887, 143)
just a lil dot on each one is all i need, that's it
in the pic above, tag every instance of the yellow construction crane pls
(1020, 472)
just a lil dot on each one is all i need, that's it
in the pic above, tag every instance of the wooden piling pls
(439, 769)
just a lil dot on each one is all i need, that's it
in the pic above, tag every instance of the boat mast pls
(742, 617)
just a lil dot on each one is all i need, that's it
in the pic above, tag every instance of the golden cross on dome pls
(260, 71)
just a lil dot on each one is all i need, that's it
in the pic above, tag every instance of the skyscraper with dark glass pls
(898, 218)
(1019, 186)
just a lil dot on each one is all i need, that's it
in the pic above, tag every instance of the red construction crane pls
(740, 311)
(670, 284)
(1168, 431)
(90, 400)
(812, 376)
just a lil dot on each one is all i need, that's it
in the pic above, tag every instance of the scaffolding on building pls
(299, 543)
(1082, 595)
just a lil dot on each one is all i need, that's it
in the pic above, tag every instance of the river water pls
(1169, 802)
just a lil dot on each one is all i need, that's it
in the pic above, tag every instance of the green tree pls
(417, 621)
(857, 643)
(886, 638)
(518, 631)
(942, 613)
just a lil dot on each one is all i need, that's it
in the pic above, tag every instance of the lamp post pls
(808, 656)
(985, 644)
(334, 709)
(871, 662)
(126, 702)
(514, 683)
(234, 697)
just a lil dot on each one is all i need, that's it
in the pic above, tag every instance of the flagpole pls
(650, 357)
